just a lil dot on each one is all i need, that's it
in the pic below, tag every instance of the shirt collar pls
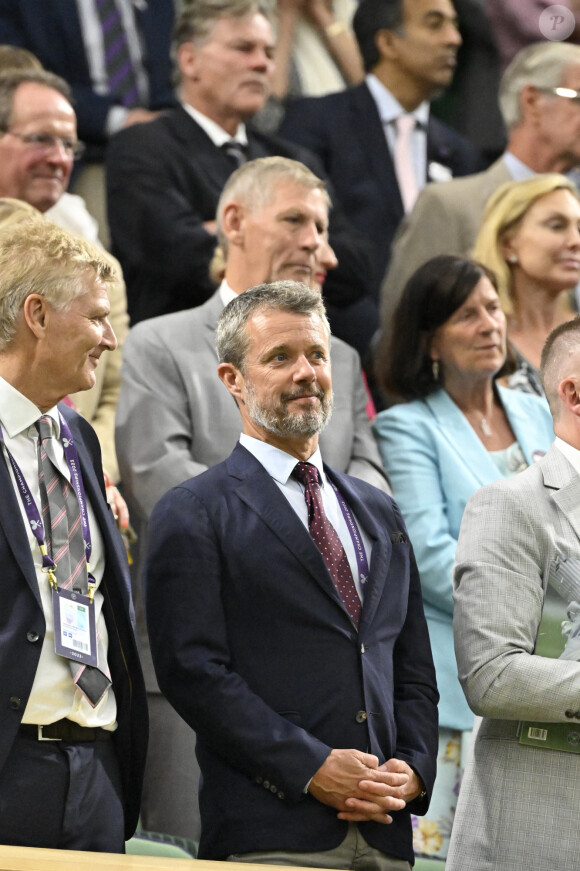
(226, 293)
(278, 464)
(216, 133)
(571, 454)
(18, 413)
(388, 106)
(516, 168)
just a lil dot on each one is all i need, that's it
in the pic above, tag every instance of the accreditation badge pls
(75, 630)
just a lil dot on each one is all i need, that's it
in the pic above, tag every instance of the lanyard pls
(361, 556)
(31, 509)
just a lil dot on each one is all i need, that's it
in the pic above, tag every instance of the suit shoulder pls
(416, 410)
(341, 351)
(149, 135)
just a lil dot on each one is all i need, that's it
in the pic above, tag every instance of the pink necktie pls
(404, 161)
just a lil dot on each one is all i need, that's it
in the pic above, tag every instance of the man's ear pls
(35, 311)
(233, 223)
(233, 379)
(569, 393)
(530, 103)
(187, 61)
(386, 43)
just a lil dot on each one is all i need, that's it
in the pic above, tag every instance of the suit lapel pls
(381, 551)
(212, 310)
(455, 429)
(15, 531)
(204, 157)
(366, 124)
(259, 492)
(519, 420)
(561, 477)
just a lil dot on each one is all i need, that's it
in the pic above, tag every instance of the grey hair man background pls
(175, 420)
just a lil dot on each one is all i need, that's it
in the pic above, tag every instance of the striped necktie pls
(64, 537)
(118, 63)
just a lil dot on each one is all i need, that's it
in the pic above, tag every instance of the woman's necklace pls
(485, 427)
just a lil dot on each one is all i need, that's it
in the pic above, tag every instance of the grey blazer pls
(518, 806)
(444, 220)
(175, 418)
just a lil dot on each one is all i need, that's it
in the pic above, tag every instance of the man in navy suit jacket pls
(316, 726)
(71, 760)
(53, 31)
(409, 49)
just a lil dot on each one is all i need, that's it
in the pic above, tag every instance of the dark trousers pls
(62, 795)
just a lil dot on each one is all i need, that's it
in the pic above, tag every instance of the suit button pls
(15, 703)
(32, 637)
(273, 788)
(281, 795)
(361, 716)
(266, 784)
(258, 779)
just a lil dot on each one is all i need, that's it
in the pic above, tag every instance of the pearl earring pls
(513, 258)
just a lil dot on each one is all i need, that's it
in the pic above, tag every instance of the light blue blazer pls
(435, 461)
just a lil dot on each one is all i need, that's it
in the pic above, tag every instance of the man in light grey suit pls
(519, 540)
(539, 101)
(175, 420)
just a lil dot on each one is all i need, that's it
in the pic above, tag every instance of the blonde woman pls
(530, 239)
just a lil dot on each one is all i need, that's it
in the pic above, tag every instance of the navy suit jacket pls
(253, 647)
(345, 132)
(22, 625)
(51, 30)
(164, 180)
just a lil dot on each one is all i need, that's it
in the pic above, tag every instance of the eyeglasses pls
(567, 93)
(47, 142)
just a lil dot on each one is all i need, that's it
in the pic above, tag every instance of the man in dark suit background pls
(308, 680)
(66, 36)
(409, 50)
(72, 741)
(164, 178)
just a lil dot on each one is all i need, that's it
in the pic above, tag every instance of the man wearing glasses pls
(38, 141)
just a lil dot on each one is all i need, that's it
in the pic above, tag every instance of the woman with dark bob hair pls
(453, 430)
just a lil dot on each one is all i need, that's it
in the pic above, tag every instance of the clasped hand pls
(360, 789)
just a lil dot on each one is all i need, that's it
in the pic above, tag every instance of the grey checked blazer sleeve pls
(505, 549)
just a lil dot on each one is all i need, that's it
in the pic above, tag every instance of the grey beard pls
(280, 423)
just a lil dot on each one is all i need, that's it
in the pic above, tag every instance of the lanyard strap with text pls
(31, 509)
(361, 556)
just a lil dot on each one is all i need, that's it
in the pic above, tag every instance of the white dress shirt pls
(389, 110)
(217, 134)
(279, 466)
(54, 695)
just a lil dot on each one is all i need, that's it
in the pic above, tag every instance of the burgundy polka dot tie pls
(327, 541)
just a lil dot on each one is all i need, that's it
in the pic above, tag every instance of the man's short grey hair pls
(561, 346)
(254, 185)
(232, 340)
(543, 65)
(38, 257)
(199, 16)
(11, 81)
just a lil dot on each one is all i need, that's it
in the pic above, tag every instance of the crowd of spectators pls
(412, 160)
